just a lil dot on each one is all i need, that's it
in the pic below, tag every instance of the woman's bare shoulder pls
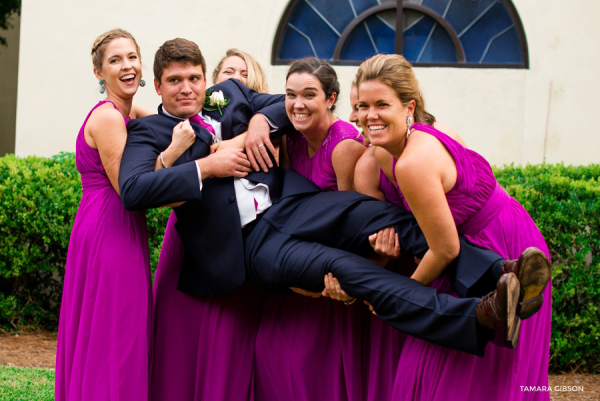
(449, 131)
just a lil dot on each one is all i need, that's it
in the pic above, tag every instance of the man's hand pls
(183, 137)
(227, 163)
(386, 243)
(258, 142)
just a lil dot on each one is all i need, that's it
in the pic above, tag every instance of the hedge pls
(40, 196)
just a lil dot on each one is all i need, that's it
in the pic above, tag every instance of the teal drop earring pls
(102, 88)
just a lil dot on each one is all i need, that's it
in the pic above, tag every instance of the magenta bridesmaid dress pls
(486, 215)
(311, 349)
(204, 346)
(385, 343)
(105, 327)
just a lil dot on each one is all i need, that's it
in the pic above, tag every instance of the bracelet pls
(349, 302)
(162, 160)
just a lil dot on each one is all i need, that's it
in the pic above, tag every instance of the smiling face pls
(306, 104)
(121, 68)
(233, 67)
(182, 88)
(383, 116)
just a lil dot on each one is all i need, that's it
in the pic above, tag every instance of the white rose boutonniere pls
(215, 101)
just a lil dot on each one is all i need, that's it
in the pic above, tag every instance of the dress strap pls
(126, 119)
(464, 168)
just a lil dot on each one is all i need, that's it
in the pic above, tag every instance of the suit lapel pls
(224, 119)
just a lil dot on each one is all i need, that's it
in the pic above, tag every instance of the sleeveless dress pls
(105, 327)
(385, 343)
(310, 349)
(204, 346)
(486, 215)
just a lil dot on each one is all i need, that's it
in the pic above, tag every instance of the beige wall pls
(9, 67)
(504, 114)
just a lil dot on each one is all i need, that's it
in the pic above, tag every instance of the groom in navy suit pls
(276, 229)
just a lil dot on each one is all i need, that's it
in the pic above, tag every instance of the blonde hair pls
(394, 71)
(257, 79)
(103, 40)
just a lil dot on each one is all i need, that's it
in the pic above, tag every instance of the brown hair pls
(394, 71)
(102, 41)
(257, 79)
(177, 50)
(321, 70)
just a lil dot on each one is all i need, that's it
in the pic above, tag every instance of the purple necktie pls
(198, 120)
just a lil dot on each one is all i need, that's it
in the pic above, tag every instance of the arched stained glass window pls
(467, 33)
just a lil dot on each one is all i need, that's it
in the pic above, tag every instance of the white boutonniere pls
(215, 101)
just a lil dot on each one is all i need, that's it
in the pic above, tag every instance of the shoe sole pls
(513, 322)
(534, 275)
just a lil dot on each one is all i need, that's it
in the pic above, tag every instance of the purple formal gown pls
(204, 347)
(486, 215)
(310, 349)
(105, 328)
(385, 343)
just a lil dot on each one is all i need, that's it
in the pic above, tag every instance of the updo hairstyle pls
(394, 71)
(102, 42)
(321, 70)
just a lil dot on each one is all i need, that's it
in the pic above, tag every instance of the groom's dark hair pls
(179, 50)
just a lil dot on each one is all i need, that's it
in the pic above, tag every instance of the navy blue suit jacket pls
(209, 223)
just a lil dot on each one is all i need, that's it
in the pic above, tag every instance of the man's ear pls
(157, 86)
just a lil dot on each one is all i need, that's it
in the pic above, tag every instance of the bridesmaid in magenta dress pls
(452, 190)
(204, 346)
(384, 344)
(104, 345)
(105, 328)
(310, 349)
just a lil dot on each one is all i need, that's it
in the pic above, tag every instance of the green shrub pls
(40, 196)
(564, 201)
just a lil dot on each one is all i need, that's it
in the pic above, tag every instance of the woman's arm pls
(366, 175)
(425, 173)
(106, 131)
(344, 159)
(139, 112)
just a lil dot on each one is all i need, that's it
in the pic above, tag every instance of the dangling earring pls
(142, 83)
(408, 124)
(102, 88)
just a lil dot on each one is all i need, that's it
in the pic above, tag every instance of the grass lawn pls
(21, 384)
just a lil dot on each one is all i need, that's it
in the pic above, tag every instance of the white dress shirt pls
(252, 198)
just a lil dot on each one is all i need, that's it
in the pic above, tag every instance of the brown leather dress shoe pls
(534, 272)
(497, 312)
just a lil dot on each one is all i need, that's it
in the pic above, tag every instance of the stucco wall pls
(9, 65)
(503, 114)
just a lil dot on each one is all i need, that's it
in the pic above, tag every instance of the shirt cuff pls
(274, 128)
(199, 174)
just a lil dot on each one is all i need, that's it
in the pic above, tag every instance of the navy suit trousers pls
(302, 251)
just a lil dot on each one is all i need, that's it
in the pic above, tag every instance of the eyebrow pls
(233, 68)
(119, 55)
(309, 88)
